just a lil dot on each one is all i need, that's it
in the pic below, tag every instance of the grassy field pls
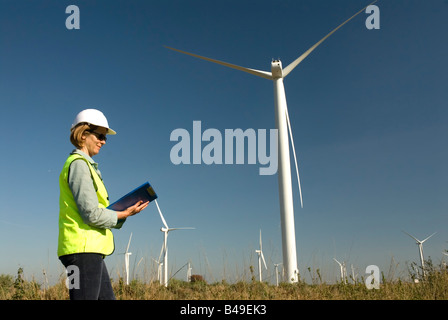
(434, 287)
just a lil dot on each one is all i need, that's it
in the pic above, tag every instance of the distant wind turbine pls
(189, 272)
(260, 257)
(136, 267)
(126, 260)
(159, 269)
(165, 229)
(354, 276)
(276, 272)
(420, 249)
(343, 271)
(283, 126)
(159, 265)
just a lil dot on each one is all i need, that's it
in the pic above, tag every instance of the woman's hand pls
(136, 208)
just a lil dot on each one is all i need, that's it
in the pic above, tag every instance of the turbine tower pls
(420, 249)
(165, 229)
(354, 276)
(189, 272)
(283, 125)
(276, 273)
(260, 257)
(126, 260)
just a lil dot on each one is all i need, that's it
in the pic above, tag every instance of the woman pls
(85, 237)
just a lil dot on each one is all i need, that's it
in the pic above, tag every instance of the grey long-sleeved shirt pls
(81, 185)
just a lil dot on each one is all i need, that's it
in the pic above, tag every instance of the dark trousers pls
(93, 283)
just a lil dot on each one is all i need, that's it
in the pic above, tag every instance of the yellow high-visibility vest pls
(75, 236)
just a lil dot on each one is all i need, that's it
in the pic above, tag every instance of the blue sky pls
(367, 108)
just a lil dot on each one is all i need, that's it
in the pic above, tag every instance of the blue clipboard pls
(145, 193)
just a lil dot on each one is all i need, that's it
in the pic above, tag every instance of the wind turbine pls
(276, 272)
(134, 272)
(126, 260)
(260, 257)
(343, 270)
(354, 276)
(159, 266)
(189, 272)
(165, 229)
(420, 249)
(283, 125)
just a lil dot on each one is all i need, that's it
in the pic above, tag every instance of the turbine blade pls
(141, 259)
(186, 228)
(261, 244)
(429, 237)
(294, 64)
(259, 73)
(129, 243)
(161, 215)
(161, 251)
(264, 261)
(295, 157)
(412, 237)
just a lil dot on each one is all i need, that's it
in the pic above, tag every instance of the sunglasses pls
(99, 136)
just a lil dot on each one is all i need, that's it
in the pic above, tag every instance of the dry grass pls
(435, 287)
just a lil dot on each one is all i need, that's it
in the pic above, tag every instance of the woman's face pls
(94, 140)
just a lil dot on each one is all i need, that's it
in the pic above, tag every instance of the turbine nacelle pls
(276, 69)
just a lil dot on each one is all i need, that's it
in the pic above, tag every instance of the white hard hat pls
(94, 117)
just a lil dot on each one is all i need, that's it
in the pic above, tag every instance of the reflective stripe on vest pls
(74, 235)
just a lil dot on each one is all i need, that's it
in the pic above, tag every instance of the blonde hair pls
(78, 132)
